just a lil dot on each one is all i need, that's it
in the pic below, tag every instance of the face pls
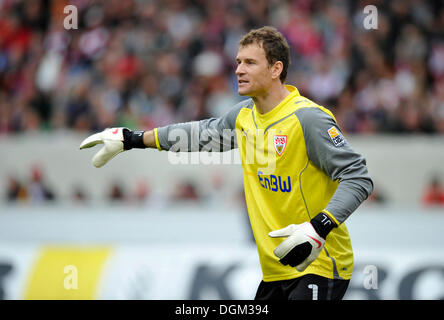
(254, 74)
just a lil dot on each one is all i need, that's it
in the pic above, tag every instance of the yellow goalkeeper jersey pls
(296, 163)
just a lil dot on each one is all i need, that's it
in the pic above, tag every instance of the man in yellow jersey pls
(302, 179)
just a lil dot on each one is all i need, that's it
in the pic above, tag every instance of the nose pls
(239, 69)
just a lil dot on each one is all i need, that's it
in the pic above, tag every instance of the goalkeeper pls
(302, 178)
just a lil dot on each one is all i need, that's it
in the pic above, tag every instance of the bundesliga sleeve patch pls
(336, 137)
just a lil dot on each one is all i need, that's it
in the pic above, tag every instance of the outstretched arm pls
(215, 134)
(148, 139)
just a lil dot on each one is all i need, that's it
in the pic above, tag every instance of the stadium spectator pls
(79, 195)
(185, 191)
(38, 190)
(117, 193)
(142, 192)
(16, 191)
(434, 193)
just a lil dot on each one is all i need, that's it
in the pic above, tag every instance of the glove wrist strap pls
(133, 139)
(322, 224)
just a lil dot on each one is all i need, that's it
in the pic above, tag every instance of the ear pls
(276, 69)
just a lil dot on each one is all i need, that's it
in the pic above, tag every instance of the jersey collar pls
(270, 115)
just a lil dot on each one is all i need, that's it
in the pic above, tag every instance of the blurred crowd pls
(148, 63)
(34, 187)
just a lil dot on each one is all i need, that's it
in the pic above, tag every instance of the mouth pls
(241, 82)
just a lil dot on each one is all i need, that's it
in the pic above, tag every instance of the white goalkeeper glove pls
(304, 242)
(115, 140)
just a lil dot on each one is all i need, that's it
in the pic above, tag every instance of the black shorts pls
(308, 287)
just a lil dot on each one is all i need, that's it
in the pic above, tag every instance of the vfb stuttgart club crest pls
(280, 142)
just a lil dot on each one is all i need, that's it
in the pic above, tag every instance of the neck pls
(270, 99)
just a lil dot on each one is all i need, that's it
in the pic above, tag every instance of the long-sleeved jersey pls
(296, 163)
